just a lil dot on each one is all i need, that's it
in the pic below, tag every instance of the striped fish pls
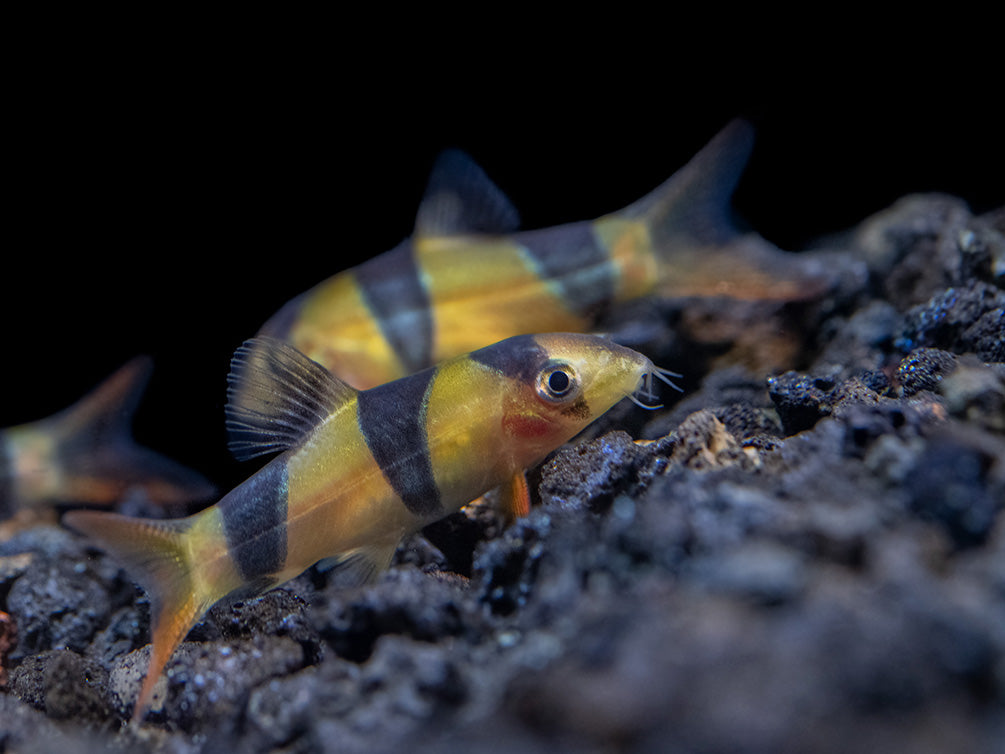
(85, 454)
(360, 470)
(466, 278)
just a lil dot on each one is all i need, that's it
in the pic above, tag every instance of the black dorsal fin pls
(276, 396)
(460, 199)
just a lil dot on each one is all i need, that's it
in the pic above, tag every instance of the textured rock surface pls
(805, 553)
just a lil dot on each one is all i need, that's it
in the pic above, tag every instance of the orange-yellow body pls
(360, 470)
(467, 278)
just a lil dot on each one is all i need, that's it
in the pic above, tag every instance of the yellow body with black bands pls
(468, 278)
(360, 469)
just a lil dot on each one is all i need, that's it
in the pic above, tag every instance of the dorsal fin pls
(460, 199)
(276, 396)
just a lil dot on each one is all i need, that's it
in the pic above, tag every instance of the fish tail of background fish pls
(697, 243)
(86, 454)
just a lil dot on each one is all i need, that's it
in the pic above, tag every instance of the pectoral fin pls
(361, 566)
(514, 497)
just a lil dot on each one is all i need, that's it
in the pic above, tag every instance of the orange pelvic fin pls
(514, 497)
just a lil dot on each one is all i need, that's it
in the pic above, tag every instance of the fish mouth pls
(645, 394)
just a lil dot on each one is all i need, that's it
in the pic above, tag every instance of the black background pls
(165, 196)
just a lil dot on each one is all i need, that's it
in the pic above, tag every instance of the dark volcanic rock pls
(805, 553)
(591, 475)
(426, 607)
(925, 244)
(63, 599)
(975, 392)
(923, 369)
(64, 685)
(957, 480)
(961, 320)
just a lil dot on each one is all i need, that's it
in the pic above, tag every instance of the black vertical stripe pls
(571, 258)
(392, 289)
(254, 522)
(392, 418)
(519, 357)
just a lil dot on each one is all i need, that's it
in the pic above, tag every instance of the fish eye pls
(557, 382)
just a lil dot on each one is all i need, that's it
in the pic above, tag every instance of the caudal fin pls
(93, 458)
(155, 554)
(697, 242)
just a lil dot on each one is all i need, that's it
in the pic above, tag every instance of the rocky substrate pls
(804, 553)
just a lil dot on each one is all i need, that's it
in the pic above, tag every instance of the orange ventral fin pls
(155, 554)
(514, 497)
(511, 500)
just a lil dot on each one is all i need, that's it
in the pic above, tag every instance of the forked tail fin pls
(86, 454)
(699, 247)
(156, 554)
(694, 203)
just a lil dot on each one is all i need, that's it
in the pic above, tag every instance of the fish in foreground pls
(85, 455)
(467, 278)
(360, 469)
